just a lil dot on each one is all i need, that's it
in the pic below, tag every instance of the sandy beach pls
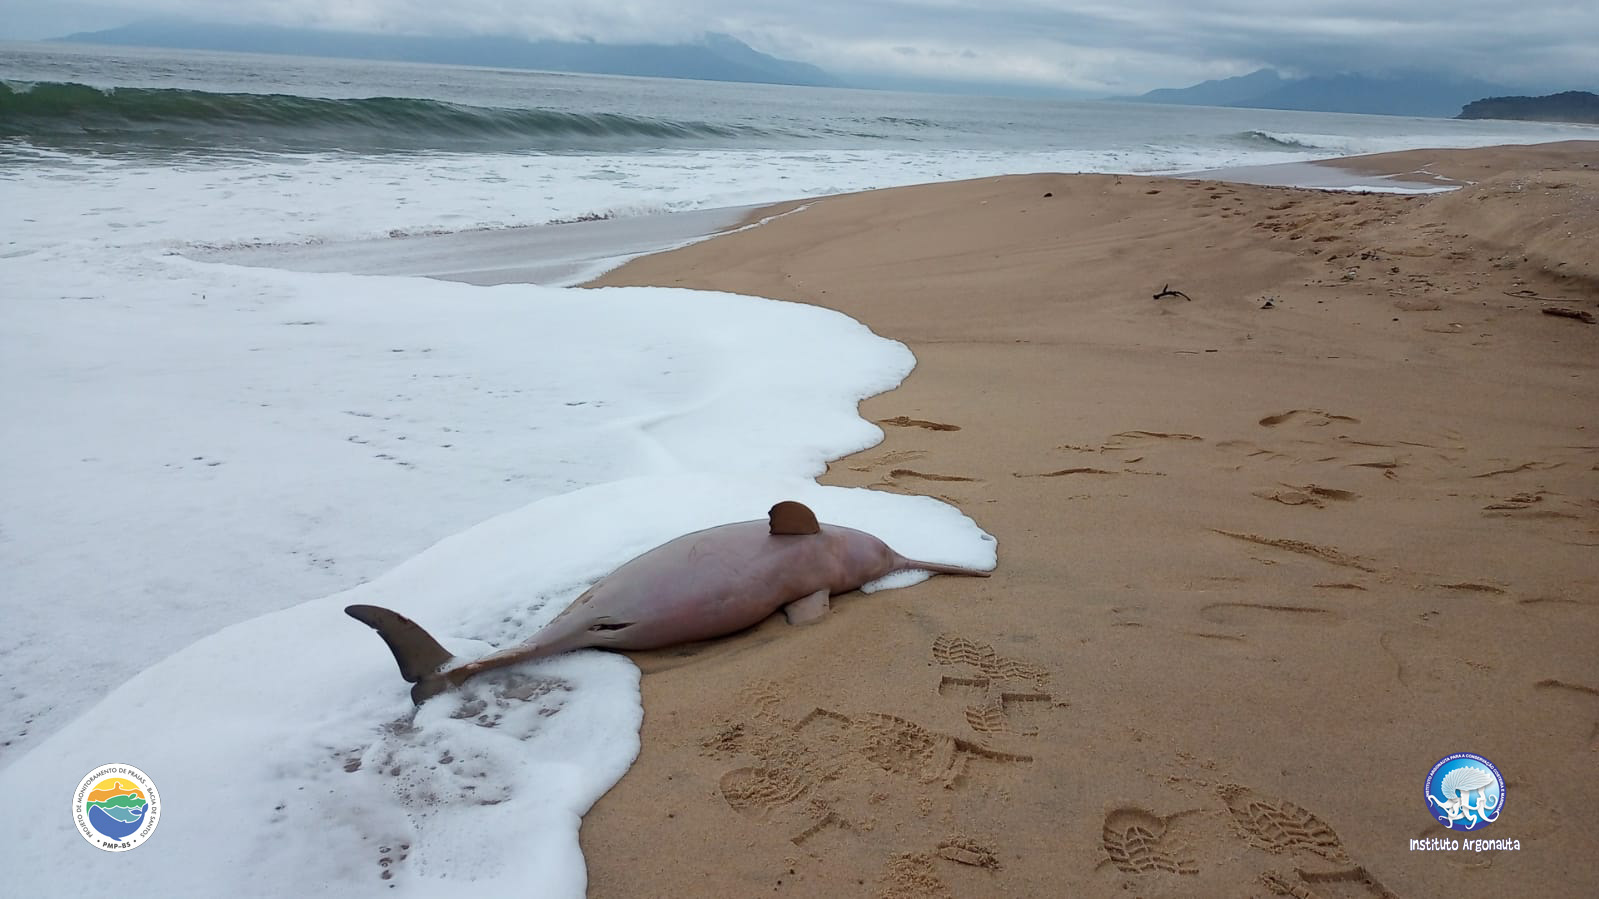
(1268, 550)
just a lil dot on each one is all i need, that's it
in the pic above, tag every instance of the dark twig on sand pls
(1567, 312)
(1530, 295)
(1168, 292)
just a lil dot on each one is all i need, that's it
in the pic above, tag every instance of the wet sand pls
(1266, 554)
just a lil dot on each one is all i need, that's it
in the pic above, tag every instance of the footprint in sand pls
(950, 649)
(802, 772)
(786, 769)
(1323, 868)
(757, 791)
(1279, 826)
(1206, 841)
(1136, 842)
(1000, 689)
(900, 746)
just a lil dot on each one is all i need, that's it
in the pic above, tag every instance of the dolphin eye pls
(610, 625)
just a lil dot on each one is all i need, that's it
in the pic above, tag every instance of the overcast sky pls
(1094, 46)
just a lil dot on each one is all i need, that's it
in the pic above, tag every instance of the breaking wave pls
(76, 115)
(1268, 140)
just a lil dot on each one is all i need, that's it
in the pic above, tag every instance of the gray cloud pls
(1079, 45)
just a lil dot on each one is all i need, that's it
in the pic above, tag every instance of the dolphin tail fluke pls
(936, 568)
(419, 656)
(432, 685)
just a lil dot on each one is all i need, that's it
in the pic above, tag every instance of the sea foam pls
(218, 202)
(289, 761)
(202, 443)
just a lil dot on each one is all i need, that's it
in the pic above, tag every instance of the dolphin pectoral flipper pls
(415, 650)
(809, 609)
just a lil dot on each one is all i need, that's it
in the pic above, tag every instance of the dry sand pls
(1259, 568)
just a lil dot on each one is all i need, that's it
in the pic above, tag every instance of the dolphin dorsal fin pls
(789, 517)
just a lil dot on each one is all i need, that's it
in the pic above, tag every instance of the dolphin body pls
(701, 585)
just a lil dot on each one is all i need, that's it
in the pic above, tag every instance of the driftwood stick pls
(1566, 312)
(1168, 292)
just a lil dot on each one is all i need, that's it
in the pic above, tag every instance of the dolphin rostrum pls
(698, 586)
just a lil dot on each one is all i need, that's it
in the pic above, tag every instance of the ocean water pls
(304, 148)
(205, 461)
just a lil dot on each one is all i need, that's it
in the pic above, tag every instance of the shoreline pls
(567, 254)
(1118, 449)
(1243, 550)
(556, 254)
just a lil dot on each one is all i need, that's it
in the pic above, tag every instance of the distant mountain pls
(1411, 94)
(1220, 92)
(1408, 93)
(1570, 106)
(715, 57)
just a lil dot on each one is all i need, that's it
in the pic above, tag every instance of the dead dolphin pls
(698, 586)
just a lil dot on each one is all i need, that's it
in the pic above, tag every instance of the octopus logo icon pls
(1465, 791)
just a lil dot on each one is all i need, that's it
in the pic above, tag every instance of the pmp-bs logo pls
(1465, 791)
(116, 807)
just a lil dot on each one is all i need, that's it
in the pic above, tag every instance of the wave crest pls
(73, 114)
(1269, 140)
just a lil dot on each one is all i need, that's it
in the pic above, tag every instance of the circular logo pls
(116, 807)
(1465, 791)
